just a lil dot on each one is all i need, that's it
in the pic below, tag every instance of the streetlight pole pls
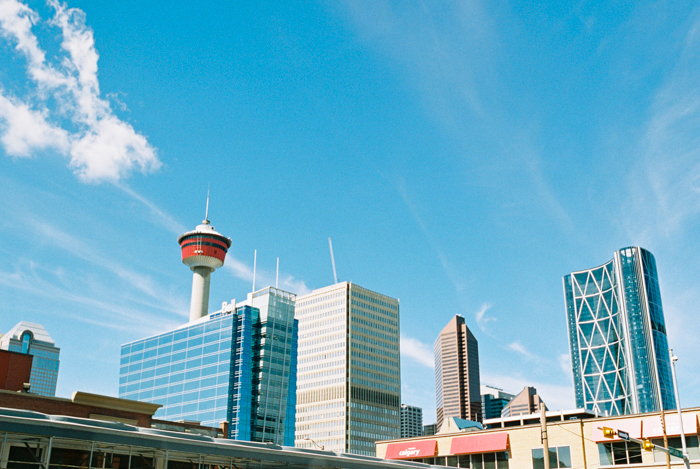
(674, 359)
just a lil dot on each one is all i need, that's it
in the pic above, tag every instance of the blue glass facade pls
(617, 336)
(218, 369)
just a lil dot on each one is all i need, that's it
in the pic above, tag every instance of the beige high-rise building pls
(349, 375)
(457, 390)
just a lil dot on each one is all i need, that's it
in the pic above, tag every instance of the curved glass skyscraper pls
(617, 336)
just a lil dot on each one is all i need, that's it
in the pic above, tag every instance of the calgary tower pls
(203, 251)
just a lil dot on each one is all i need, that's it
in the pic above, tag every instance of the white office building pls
(349, 377)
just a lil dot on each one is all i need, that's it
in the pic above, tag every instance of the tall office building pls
(457, 383)
(349, 382)
(30, 338)
(617, 336)
(237, 365)
(411, 421)
(493, 400)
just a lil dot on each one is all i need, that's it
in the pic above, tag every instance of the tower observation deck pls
(203, 251)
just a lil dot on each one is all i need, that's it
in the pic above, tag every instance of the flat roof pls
(19, 424)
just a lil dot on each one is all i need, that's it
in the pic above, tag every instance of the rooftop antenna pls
(277, 277)
(255, 263)
(335, 276)
(206, 213)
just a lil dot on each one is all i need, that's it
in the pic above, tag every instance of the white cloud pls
(24, 129)
(481, 318)
(238, 268)
(565, 364)
(417, 351)
(517, 346)
(100, 145)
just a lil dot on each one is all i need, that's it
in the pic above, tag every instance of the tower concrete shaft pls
(199, 305)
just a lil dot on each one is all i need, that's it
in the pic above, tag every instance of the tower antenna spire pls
(335, 276)
(206, 213)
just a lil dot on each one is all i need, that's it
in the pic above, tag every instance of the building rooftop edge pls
(532, 416)
(114, 403)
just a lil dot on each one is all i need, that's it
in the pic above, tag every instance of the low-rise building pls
(15, 370)
(575, 439)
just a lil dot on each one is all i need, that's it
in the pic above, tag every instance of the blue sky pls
(463, 157)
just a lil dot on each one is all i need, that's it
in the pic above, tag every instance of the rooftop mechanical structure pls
(203, 251)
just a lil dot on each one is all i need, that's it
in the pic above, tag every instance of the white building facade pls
(349, 376)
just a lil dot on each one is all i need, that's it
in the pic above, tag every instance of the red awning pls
(484, 443)
(652, 425)
(631, 426)
(411, 449)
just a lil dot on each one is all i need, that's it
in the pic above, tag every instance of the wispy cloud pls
(451, 53)
(481, 318)
(565, 364)
(417, 351)
(447, 47)
(36, 280)
(81, 125)
(456, 281)
(518, 347)
(665, 186)
(164, 219)
(84, 250)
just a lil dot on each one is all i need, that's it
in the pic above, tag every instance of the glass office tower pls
(617, 336)
(236, 365)
(32, 339)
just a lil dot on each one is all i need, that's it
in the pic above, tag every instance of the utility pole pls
(663, 427)
(583, 446)
(674, 359)
(545, 441)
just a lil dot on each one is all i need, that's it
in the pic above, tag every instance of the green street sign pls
(675, 452)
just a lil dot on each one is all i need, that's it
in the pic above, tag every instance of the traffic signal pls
(609, 432)
(647, 445)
